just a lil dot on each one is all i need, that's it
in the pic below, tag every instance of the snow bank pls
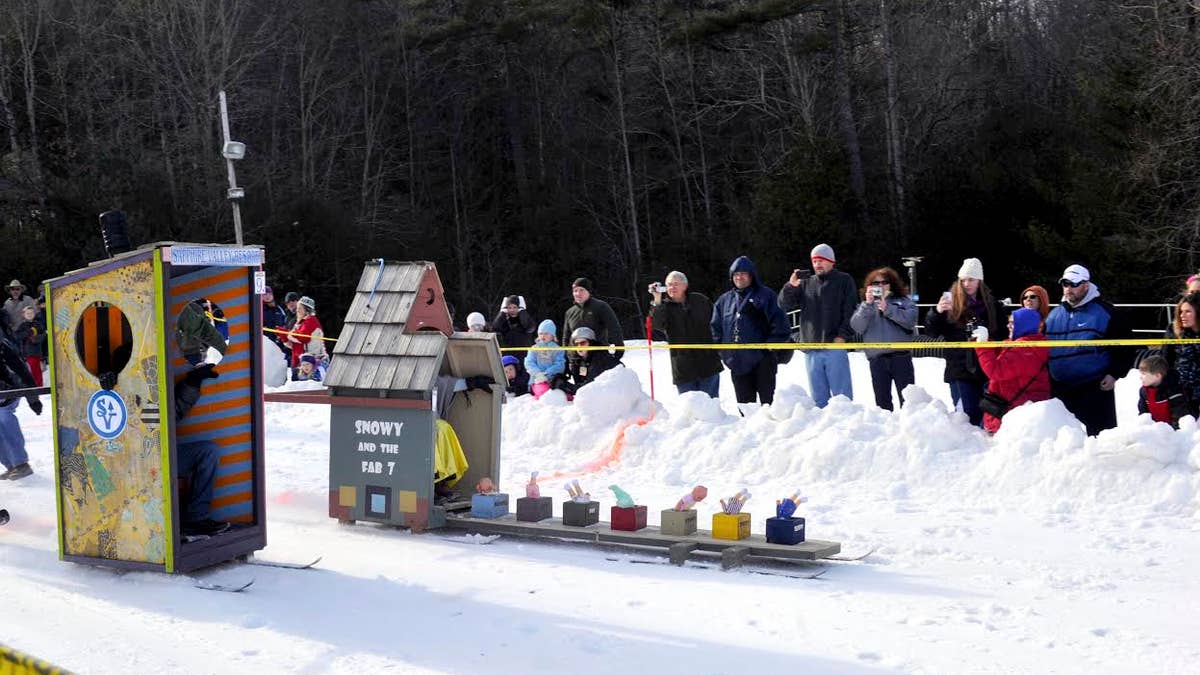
(1041, 460)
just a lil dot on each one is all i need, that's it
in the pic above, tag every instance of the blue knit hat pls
(1025, 322)
(509, 360)
(547, 326)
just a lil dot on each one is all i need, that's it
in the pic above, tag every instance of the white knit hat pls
(972, 268)
(475, 319)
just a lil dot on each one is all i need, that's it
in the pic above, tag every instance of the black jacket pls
(519, 385)
(584, 370)
(597, 315)
(275, 318)
(14, 374)
(518, 332)
(31, 338)
(826, 303)
(962, 364)
(685, 324)
(1168, 392)
(1184, 360)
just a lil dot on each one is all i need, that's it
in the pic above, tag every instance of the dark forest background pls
(520, 144)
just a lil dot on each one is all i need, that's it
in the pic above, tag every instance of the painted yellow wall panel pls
(111, 488)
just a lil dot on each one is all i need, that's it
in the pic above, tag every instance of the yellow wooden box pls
(731, 526)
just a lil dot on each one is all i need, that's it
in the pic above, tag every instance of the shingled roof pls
(395, 332)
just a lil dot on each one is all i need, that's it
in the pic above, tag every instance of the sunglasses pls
(1068, 284)
(881, 282)
(1030, 297)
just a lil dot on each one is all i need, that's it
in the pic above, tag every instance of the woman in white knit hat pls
(966, 312)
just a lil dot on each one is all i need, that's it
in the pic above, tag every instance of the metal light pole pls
(911, 263)
(232, 150)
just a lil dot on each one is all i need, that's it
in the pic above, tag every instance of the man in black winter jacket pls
(514, 326)
(589, 312)
(275, 319)
(14, 375)
(826, 298)
(685, 317)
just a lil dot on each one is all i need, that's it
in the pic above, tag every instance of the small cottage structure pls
(397, 344)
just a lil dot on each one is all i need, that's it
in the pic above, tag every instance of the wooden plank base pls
(679, 546)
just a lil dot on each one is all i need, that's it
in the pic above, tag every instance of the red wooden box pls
(628, 518)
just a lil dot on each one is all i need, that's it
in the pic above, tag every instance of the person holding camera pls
(826, 298)
(964, 309)
(1016, 375)
(887, 314)
(684, 318)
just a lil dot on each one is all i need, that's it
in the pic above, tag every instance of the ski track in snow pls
(1038, 550)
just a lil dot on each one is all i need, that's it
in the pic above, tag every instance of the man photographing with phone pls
(684, 317)
(825, 298)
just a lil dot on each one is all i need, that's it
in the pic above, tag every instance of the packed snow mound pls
(1041, 459)
(1043, 450)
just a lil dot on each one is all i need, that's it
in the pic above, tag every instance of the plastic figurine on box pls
(692, 498)
(623, 498)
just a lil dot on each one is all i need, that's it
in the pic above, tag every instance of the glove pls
(980, 334)
(201, 373)
(35, 404)
(479, 382)
(108, 381)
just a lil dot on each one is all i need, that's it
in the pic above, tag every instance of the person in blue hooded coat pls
(749, 313)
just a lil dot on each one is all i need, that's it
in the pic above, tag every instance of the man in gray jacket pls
(887, 315)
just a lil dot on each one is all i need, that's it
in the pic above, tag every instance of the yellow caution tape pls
(288, 332)
(913, 346)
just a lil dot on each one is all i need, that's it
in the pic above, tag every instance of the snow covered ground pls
(1038, 550)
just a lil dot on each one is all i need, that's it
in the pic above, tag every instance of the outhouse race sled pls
(115, 364)
(401, 380)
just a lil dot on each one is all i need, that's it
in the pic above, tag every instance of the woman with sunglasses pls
(1037, 298)
(886, 314)
(966, 307)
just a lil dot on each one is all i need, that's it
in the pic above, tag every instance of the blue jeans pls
(710, 385)
(968, 393)
(12, 441)
(198, 460)
(828, 375)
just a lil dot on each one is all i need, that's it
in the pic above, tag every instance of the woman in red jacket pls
(306, 336)
(1017, 374)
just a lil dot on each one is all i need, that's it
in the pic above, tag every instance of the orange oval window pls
(103, 339)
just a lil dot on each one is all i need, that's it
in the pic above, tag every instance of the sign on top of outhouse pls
(395, 333)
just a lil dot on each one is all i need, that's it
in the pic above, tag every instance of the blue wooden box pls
(785, 530)
(489, 506)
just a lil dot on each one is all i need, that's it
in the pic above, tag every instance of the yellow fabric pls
(449, 460)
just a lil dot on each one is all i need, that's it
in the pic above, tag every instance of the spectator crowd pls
(998, 374)
(830, 308)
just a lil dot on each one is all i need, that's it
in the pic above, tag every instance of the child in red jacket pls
(1161, 394)
(1017, 374)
